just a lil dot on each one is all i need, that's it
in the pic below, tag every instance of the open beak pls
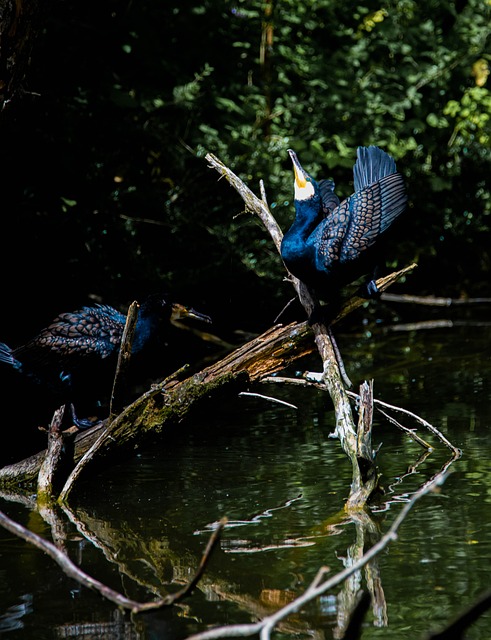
(179, 311)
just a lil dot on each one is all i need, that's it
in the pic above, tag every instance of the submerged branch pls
(314, 379)
(379, 403)
(410, 432)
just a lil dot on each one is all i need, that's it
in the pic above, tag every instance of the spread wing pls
(372, 212)
(329, 199)
(354, 226)
(328, 237)
(371, 165)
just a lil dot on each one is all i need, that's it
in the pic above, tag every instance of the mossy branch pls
(169, 403)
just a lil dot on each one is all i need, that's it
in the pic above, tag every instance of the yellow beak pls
(300, 179)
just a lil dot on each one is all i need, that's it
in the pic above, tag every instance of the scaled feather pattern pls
(77, 351)
(330, 243)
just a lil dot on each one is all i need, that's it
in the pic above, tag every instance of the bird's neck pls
(307, 217)
(146, 328)
(295, 248)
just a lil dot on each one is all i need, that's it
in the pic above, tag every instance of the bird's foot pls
(369, 290)
(372, 290)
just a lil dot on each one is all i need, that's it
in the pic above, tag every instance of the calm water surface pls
(281, 481)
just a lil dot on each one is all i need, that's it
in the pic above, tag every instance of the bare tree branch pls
(333, 374)
(47, 473)
(456, 451)
(314, 380)
(433, 301)
(124, 358)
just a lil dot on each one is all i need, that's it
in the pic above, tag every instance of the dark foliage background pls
(106, 193)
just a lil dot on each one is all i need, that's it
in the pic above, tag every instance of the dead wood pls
(167, 405)
(424, 325)
(50, 466)
(333, 375)
(124, 358)
(433, 301)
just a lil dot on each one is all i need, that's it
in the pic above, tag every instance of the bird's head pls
(179, 311)
(305, 186)
(160, 305)
(156, 305)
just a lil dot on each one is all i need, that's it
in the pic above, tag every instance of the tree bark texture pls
(160, 408)
(19, 24)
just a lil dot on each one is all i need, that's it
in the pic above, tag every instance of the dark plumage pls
(78, 350)
(331, 244)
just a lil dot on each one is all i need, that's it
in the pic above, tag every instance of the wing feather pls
(372, 211)
(82, 333)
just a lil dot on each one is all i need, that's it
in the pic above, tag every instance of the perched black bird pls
(332, 244)
(78, 351)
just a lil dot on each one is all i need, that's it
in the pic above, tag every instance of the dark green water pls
(281, 481)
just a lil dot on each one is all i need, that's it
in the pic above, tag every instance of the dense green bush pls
(129, 99)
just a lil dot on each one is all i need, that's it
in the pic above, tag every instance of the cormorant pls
(78, 350)
(332, 244)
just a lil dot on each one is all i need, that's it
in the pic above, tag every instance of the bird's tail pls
(7, 356)
(371, 165)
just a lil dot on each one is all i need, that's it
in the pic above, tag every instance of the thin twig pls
(347, 382)
(252, 202)
(456, 451)
(269, 398)
(410, 432)
(75, 473)
(212, 543)
(124, 358)
(287, 305)
(314, 379)
(433, 301)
